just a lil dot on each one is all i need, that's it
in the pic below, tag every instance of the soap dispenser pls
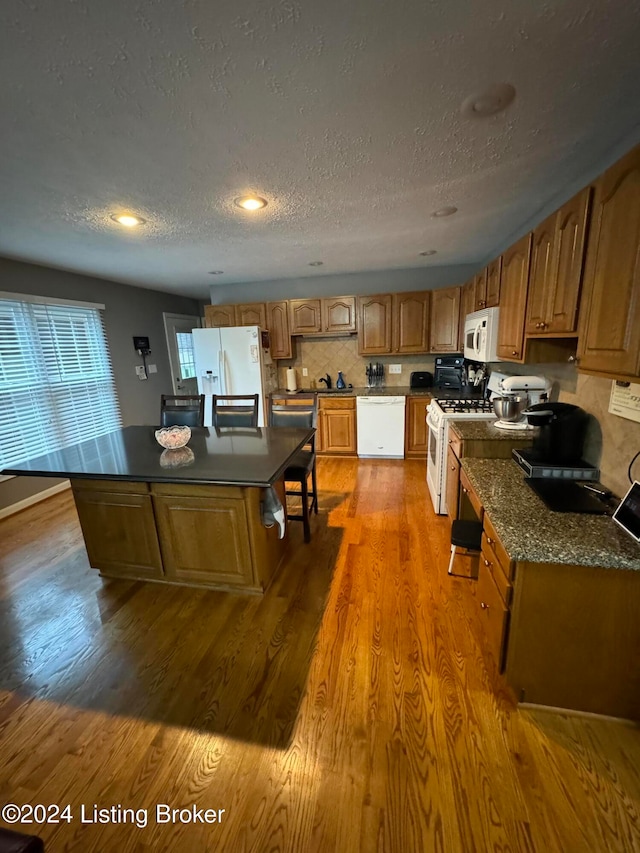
(340, 383)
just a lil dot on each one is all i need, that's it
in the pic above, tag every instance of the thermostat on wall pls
(625, 400)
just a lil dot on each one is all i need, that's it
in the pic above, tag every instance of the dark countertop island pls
(191, 516)
(234, 457)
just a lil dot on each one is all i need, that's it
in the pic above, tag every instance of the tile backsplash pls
(329, 355)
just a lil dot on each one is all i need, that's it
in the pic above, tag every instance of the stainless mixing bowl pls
(509, 408)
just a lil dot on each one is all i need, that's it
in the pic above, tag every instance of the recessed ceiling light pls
(444, 211)
(492, 100)
(429, 252)
(315, 263)
(251, 202)
(128, 219)
(215, 272)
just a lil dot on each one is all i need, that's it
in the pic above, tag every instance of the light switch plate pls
(153, 368)
(395, 368)
(305, 372)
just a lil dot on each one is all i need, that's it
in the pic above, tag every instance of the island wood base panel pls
(205, 536)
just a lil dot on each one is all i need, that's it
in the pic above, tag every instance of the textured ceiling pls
(346, 116)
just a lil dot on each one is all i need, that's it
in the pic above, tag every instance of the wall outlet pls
(305, 372)
(395, 368)
(153, 368)
(140, 372)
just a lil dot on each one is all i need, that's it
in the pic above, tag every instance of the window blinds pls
(56, 379)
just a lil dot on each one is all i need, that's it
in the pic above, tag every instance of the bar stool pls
(467, 535)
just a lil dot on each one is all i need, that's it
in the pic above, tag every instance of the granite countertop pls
(482, 430)
(227, 457)
(532, 533)
(386, 391)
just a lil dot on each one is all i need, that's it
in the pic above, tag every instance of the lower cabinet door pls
(204, 540)
(119, 528)
(494, 616)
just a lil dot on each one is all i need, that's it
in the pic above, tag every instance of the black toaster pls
(421, 379)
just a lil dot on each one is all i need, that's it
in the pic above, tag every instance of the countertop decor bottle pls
(340, 383)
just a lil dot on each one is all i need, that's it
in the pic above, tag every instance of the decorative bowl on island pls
(173, 437)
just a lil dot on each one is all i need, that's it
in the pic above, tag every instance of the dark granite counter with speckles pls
(532, 533)
(386, 391)
(482, 430)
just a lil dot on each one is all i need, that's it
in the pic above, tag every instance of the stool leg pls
(453, 554)
(314, 487)
(305, 510)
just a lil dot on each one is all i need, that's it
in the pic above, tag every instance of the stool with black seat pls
(182, 410)
(299, 411)
(465, 534)
(16, 842)
(235, 410)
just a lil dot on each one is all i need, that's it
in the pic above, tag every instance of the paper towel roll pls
(291, 379)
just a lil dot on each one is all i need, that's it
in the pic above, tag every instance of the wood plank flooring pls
(348, 709)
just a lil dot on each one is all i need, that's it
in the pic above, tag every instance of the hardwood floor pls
(348, 709)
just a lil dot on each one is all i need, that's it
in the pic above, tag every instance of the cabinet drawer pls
(455, 442)
(467, 489)
(490, 536)
(337, 403)
(494, 616)
(493, 566)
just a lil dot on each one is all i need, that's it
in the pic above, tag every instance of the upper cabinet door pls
(541, 278)
(252, 314)
(374, 324)
(411, 322)
(445, 319)
(513, 299)
(218, 316)
(467, 306)
(480, 290)
(568, 263)
(339, 314)
(278, 325)
(610, 311)
(494, 277)
(305, 316)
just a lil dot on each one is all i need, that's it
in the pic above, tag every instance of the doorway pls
(178, 329)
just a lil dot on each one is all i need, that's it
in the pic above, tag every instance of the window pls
(56, 379)
(186, 356)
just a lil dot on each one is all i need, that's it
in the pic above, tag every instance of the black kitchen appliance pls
(421, 379)
(561, 432)
(449, 372)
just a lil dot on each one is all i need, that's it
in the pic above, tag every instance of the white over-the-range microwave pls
(481, 335)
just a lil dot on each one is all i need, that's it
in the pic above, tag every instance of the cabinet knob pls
(453, 467)
(490, 540)
(514, 352)
(538, 325)
(487, 563)
(484, 606)
(466, 491)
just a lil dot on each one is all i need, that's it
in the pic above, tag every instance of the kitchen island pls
(191, 516)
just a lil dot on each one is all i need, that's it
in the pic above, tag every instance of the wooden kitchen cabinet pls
(513, 299)
(336, 425)
(219, 316)
(338, 314)
(410, 319)
(251, 314)
(305, 316)
(609, 341)
(416, 432)
(374, 324)
(394, 323)
(278, 326)
(480, 290)
(119, 529)
(445, 320)
(494, 279)
(557, 260)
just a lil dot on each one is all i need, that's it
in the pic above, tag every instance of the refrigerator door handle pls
(225, 373)
(223, 389)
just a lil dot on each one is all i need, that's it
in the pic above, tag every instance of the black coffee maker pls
(562, 430)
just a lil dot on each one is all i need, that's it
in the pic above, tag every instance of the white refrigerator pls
(233, 361)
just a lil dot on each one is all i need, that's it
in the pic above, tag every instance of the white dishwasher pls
(380, 426)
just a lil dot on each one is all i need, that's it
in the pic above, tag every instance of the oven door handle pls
(432, 426)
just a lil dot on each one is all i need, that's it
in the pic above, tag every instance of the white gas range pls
(439, 413)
